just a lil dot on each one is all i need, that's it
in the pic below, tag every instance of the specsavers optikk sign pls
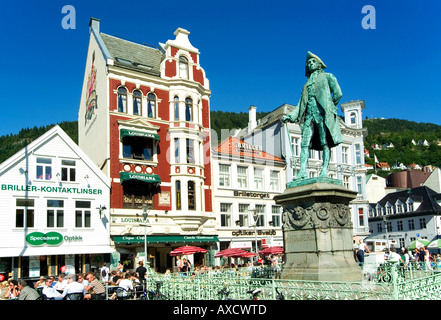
(50, 238)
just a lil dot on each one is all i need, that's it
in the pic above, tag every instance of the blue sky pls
(253, 52)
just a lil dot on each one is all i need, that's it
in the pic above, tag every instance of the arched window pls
(137, 96)
(191, 196)
(188, 109)
(176, 102)
(178, 195)
(353, 118)
(183, 67)
(122, 99)
(151, 105)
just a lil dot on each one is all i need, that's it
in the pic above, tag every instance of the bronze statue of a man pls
(316, 113)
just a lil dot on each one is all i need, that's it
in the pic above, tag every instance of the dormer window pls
(183, 67)
(122, 99)
(137, 96)
(151, 105)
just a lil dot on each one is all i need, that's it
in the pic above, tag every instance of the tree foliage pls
(401, 133)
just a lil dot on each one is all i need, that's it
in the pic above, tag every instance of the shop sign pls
(13, 187)
(240, 233)
(40, 238)
(261, 195)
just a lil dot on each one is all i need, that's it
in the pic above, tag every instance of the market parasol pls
(234, 253)
(187, 250)
(272, 250)
(418, 243)
(435, 244)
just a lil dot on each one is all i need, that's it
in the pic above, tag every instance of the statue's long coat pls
(323, 86)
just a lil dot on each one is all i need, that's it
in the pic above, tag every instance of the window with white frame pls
(258, 179)
(295, 142)
(55, 214)
(190, 150)
(244, 214)
(183, 67)
(176, 107)
(225, 209)
(242, 176)
(260, 215)
(44, 168)
(422, 223)
(82, 214)
(68, 170)
(24, 213)
(346, 183)
(411, 224)
(122, 99)
(177, 152)
(191, 194)
(188, 109)
(276, 214)
(357, 153)
(344, 155)
(359, 185)
(151, 105)
(137, 102)
(274, 180)
(224, 175)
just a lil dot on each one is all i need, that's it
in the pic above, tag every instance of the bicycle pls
(150, 295)
(225, 292)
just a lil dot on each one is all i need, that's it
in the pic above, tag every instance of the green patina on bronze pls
(316, 114)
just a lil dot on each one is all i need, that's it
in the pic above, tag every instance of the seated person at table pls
(73, 286)
(95, 289)
(49, 291)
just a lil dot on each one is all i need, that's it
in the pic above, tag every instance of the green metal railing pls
(388, 282)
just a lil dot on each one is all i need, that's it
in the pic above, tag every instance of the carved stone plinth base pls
(317, 231)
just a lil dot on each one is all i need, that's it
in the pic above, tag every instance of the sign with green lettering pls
(40, 238)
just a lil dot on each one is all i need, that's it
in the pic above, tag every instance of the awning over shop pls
(134, 133)
(164, 239)
(56, 250)
(151, 178)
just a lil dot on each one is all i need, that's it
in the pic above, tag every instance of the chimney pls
(94, 24)
(252, 118)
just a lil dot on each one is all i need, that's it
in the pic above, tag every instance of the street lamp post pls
(144, 216)
(254, 212)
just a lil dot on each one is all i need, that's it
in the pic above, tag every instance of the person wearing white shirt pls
(49, 291)
(73, 286)
(61, 282)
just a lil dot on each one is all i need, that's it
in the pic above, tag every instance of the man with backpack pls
(104, 271)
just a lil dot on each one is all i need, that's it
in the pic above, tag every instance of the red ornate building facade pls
(144, 119)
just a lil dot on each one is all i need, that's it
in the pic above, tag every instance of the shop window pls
(138, 148)
(122, 99)
(137, 193)
(68, 172)
(55, 214)
(151, 105)
(137, 102)
(82, 214)
(24, 213)
(183, 67)
(188, 109)
(191, 196)
(178, 195)
(44, 168)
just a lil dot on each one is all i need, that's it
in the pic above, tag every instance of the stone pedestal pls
(317, 231)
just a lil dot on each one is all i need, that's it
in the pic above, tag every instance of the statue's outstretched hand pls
(286, 119)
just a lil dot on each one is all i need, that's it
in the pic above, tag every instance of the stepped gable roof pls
(134, 56)
(428, 198)
(236, 147)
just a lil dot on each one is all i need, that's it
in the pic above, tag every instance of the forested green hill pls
(380, 131)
